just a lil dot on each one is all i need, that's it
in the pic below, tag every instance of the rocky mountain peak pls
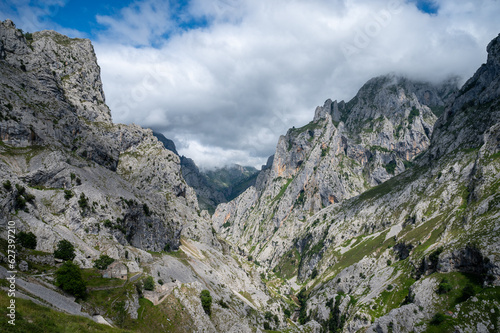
(64, 64)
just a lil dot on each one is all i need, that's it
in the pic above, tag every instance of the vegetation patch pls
(31, 317)
(288, 265)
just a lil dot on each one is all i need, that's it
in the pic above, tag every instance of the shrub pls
(27, 239)
(206, 301)
(467, 292)
(103, 262)
(390, 167)
(83, 202)
(65, 250)
(28, 36)
(444, 287)
(413, 114)
(437, 319)
(68, 194)
(149, 283)
(69, 278)
(314, 273)
(7, 185)
(287, 313)
(222, 304)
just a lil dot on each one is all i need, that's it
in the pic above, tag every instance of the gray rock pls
(23, 266)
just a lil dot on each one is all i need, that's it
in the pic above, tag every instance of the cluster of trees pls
(69, 276)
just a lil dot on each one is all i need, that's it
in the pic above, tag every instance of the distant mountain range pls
(213, 186)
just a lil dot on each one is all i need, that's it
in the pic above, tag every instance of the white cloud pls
(142, 23)
(225, 91)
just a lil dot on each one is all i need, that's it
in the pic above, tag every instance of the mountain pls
(213, 186)
(417, 252)
(380, 215)
(69, 173)
(347, 149)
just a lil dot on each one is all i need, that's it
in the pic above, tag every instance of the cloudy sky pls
(225, 78)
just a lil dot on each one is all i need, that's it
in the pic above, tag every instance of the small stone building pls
(115, 270)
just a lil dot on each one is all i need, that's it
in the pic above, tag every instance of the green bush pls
(444, 287)
(27, 239)
(314, 273)
(65, 250)
(467, 292)
(413, 114)
(149, 283)
(434, 256)
(390, 167)
(68, 194)
(103, 262)
(7, 185)
(437, 319)
(69, 278)
(223, 304)
(206, 301)
(83, 202)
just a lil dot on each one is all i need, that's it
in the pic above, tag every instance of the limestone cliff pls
(60, 145)
(346, 149)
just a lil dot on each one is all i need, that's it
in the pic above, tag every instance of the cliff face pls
(346, 149)
(60, 145)
(384, 216)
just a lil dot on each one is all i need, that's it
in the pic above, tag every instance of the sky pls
(225, 78)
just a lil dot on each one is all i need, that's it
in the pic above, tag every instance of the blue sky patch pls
(427, 6)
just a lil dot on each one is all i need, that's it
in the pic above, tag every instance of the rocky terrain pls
(380, 215)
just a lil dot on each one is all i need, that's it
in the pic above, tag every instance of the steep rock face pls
(345, 150)
(88, 180)
(422, 242)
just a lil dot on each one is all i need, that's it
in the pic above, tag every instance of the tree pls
(27, 239)
(149, 283)
(65, 250)
(83, 202)
(206, 301)
(103, 262)
(69, 278)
